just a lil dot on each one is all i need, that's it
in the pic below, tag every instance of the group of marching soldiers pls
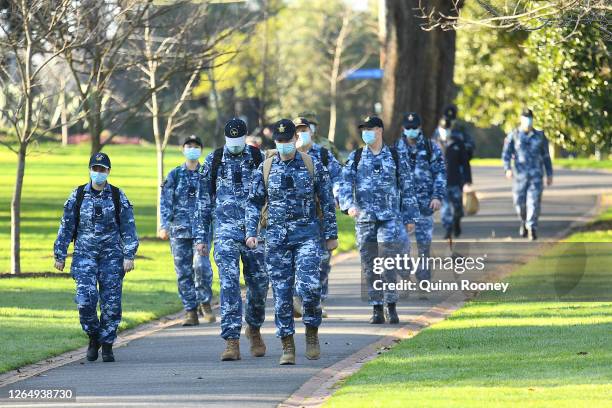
(276, 213)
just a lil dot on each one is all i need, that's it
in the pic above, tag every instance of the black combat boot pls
(92, 350)
(523, 230)
(448, 234)
(457, 226)
(532, 234)
(107, 353)
(391, 314)
(378, 315)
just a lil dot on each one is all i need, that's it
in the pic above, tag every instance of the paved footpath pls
(180, 367)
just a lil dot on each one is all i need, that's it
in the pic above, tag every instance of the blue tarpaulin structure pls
(365, 73)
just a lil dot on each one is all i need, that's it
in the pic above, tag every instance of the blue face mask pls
(411, 133)
(304, 138)
(235, 149)
(97, 177)
(192, 153)
(368, 136)
(285, 149)
(526, 122)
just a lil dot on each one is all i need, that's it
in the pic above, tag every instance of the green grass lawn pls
(502, 354)
(579, 163)
(38, 317)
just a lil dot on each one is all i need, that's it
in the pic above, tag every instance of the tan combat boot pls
(258, 347)
(313, 350)
(191, 318)
(232, 350)
(288, 357)
(297, 307)
(208, 316)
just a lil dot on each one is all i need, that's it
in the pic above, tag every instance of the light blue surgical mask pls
(235, 149)
(235, 145)
(368, 136)
(304, 138)
(192, 153)
(526, 122)
(411, 133)
(285, 149)
(97, 177)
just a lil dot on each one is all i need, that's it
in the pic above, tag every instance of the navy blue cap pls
(235, 128)
(301, 122)
(193, 139)
(411, 120)
(450, 112)
(100, 159)
(370, 122)
(527, 112)
(284, 130)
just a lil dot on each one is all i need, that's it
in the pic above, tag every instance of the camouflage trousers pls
(228, 253)
(423, 232)
(203, 276)
(188, 264)
(452, 206)
(99, 276)
(527, 197)
(380, 239)
(299, 264)
(324, 270)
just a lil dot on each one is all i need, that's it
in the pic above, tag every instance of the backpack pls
(324, 156)
(267, 166)
(394, 154)
(428, 150)
(216, 163)
(79, 200)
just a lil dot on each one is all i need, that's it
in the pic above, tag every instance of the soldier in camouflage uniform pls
(179, 204)
(284, 194)
(225, 182)
(328, 160)
(429, 177)
(378, 191)
(99, 219)
(529, 149)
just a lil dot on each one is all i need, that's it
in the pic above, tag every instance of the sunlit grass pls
(579, 163)
(506, 354)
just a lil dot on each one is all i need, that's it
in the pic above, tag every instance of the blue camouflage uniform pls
(227, 207)
(292, 245)
(429, 178)
(385, 206)
(335, 173)
(100, 248)
(531, 159)
(179, 204)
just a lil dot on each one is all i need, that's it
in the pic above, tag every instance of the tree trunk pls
(333, 112)
(419, 66)
(95, 123)
(16, 211)
(64, 111)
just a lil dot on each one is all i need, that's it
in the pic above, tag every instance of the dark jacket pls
(458, 168)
